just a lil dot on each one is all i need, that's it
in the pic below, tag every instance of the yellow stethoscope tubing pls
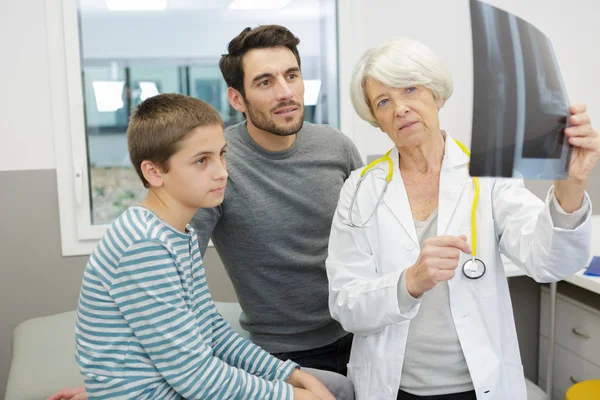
(386, 157)
(388, 178)
(475, 201)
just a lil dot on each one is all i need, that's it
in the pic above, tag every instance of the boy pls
(147, 327)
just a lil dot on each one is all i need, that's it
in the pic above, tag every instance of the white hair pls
(400, 63)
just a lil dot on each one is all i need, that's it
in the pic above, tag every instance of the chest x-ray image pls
(520, 104)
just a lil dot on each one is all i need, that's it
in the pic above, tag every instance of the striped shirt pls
(147, 327)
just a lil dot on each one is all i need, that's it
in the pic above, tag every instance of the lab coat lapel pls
(396, 200)
(453, 180)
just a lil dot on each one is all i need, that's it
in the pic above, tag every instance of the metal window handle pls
(78, 184)
(581, 334)
(573, 379)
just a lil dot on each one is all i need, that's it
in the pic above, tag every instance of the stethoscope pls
(473, 268)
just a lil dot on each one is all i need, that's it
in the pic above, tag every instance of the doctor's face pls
(409, 116)
(274, 90)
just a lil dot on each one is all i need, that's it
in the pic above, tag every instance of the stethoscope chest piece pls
(473, 268)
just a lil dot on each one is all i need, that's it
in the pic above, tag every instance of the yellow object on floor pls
(586, 390)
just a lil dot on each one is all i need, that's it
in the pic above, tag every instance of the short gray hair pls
(400, 63)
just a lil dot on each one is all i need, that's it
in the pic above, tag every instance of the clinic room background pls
(47, 226)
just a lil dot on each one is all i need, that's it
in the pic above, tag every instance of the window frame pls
(78, 235)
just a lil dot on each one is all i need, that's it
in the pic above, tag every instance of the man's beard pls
(262, 121)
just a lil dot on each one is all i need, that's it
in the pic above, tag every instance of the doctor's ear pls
(236, 100)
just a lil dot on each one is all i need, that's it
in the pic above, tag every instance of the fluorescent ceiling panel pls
(109, 95)
(149, 89)
(258, 4)
(136, 5)
(312, 88)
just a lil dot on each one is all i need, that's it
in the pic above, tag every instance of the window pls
(119, 52)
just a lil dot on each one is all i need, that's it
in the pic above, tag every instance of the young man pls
(147, 327)
(272, 229)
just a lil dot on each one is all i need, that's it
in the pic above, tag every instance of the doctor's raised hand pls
(585, 155)
(414, 264)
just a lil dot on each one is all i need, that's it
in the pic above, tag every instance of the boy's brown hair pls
(160, 123)
(262, 37)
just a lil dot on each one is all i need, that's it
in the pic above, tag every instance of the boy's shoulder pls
(136, 225)
(137, 231)
(135, 218)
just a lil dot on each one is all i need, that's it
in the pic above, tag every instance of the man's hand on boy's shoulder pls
(77, 393)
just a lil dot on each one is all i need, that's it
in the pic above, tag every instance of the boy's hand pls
(77, 393)
(303, 380)
(303, 394)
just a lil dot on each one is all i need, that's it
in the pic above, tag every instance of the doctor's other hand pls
(437, 262)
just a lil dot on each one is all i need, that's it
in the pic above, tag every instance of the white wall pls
(572, 27)
(202, 34)
(26, 140)
(25, 116)
(26, 120)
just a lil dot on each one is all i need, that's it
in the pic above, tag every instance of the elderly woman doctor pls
(430, 320)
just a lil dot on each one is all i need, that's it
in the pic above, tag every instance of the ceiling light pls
(109, 95)
(149, 89)
(258, 4)
(136, 5)
(312, 88)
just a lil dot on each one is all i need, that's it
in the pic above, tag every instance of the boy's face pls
(274, 90)
(197, 171)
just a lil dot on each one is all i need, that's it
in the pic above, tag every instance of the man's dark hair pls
(261, 37)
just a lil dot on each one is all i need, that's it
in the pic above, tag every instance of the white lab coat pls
(364, 266)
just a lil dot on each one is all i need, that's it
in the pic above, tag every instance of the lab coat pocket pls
(359, 374)
(485, 285)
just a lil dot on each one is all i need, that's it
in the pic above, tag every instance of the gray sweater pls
(272, 233)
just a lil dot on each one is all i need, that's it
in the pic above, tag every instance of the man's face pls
(274, 90)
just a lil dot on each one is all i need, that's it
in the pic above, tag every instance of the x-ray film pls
(520, 104)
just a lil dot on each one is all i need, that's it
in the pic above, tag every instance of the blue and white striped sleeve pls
(235, 350)
(148, 291)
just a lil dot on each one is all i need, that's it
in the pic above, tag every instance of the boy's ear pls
(152, 173)
(236, 100)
